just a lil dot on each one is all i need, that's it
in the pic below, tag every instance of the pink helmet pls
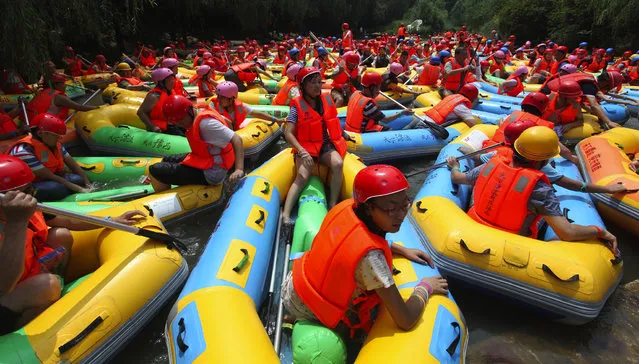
(202, 70)
(396, 68)
(262, 64)
(160, 74)
(207, 55)
(568, 68)
(499, 54)
(572, 58)
(169, 62)
(227, 89)
(167, 48)
(292, 71)
(521, 70)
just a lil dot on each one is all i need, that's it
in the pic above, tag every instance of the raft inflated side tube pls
(311, 211)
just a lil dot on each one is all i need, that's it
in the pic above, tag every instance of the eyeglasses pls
(397, 209)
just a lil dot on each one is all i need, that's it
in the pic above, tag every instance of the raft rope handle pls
(267, 188)
(255, 135)
(452, 348)
(129, 161)
(505, 107)
(420, 209)
(617, 260)
(463, 244)
(86, 130)
(261, 218)
(259, 127)
(88, 168)
(547, 269)
(180, 336)
(242, 262)
(79, 337)
(565, 213)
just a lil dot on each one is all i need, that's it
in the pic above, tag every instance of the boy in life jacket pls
(430, 73)
(291, 89)
(54, 101)
(322, 62)
(73, 65)
(246, 74)
(564, 108)
(503, 202)
(455, 108)
(455, 71)
(35, 248)
(233, 111)
(345, 78)
(215, 149)
(206, 85)
(514, 84)
(363, 115)
(280, 57)
(127, 81)
(178, 86)
(48, 159)
(150, 111)
(351, 289)
(99, 65)
(392, 81)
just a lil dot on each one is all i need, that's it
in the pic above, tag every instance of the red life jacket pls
(445, 107)
(244, 72)
(6, 123)
(280, 60)
(282, 94)
(595, 66)
(51, 159)
(494, 66)
(501, 196)
(133, 81)
(543, 66)
(43, 102)
(240, 113)
(101, 68)
(219, 64)
(342, 78)
(453, 82)
(36, 238)
(565, 115)
(554, 69)
(324, 277)
(311, 125)
(515, 90)
(200, 86)
(178, 88)
(355, 120)
(429, 75)
(516, 115)
(347, 39)
(157, 115)
(74, 67)
(200, 156)
(147, 61)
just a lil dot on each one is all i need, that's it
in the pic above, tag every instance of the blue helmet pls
(435, 61)
(321, 51)
(489, 41)
(610, 50)
(298, 38)
(444, 54)
(551, 44)
(293, 52)
(504, 49)
(583, 44)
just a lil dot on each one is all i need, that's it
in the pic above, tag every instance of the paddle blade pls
(171, 241)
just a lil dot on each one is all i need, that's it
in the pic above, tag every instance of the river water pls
(499, 332)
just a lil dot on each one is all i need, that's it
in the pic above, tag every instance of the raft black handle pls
(267, 187)
(396, 271)
(565, 213)
(180, 339)
(255, 135)
(453, 345)
(88, 168)
(420, 209)
(259, 127)
(242, 262)
(547, 269)
(86, 130)
(128, 161)
(617, 260)
(79, 337)
(455, 190)
(462, 243)
(261, 218)
(505, 107)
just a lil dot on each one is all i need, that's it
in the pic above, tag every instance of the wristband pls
(583, 186)
(420, 297)
(455, 169)
(425, 285)
(599, 231)
(421, 292)
(273, 119)
(107, 218)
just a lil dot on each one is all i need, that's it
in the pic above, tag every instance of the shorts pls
(8, 320)
(171, 172)
(232, 76)
(54, 191)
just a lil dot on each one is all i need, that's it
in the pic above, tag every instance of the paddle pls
(438, 130)
(280, 306)
(84, 103)
(171, 241)
(469, 155)
(268, 307)
(24, 111)
(330, 54)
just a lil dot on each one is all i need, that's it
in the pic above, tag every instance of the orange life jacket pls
(543, 66)
(178, 88)
(147, 61)
(355, 120)
(240, 113)
(280, 60)
(36, 237)
(429, 75)
(440, 111)
(157, 115)
(219, 64)
(554, 69)
(347, 39)
(342, 78)
(453, 82)
(579, 77)
(501, 196)
(401, 32)
(133, 81)
(324, 277)
(6, 123)
(243, 71)
(101, 68)
(200, 86)
(494, 66)
(43, 102)
(565, 115)
(74, 67)
(516, 115)
(595, 66)
(51, 159)
(311, 125)
(200, 156)
(282, 94)
(515, 90)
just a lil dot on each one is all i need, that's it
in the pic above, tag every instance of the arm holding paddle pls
(128, 218)
(17, 208)
(456, 175)
(64, 101)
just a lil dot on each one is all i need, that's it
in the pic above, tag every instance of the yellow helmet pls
(123, 67)
(538, 143)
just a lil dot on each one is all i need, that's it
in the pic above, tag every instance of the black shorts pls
(232, 76)
(8, 320)
(171, 172)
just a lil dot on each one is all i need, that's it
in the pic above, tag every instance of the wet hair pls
(361, 211)
(531, 109)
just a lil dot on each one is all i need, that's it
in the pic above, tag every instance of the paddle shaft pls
(24, 112)
(466, 156)
(84, 103)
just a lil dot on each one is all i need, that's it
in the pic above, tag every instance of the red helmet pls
(50, 123)
(601, 52)
(351, 57)
(68, 49)
(100, 58)
(15, 173)
(265, 47)
(345, 25)
(616, 78)
(371, 78)
(549, 51)
(569, 89)
(59, 77)
(537, 100)
(627, 53)
(377, 181)
(464, 27)
(280, 48)
(562, 49)
(176, 107)
(216, 49)
(512, 131)
(241, 49)
(470, 91)
(305, 72)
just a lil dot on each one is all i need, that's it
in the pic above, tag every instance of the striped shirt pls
(26, 153)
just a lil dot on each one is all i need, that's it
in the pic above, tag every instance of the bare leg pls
(338, 97)
(61, 237)
(157, 185)
(303, 174)
(335, 162)
(32, 296)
